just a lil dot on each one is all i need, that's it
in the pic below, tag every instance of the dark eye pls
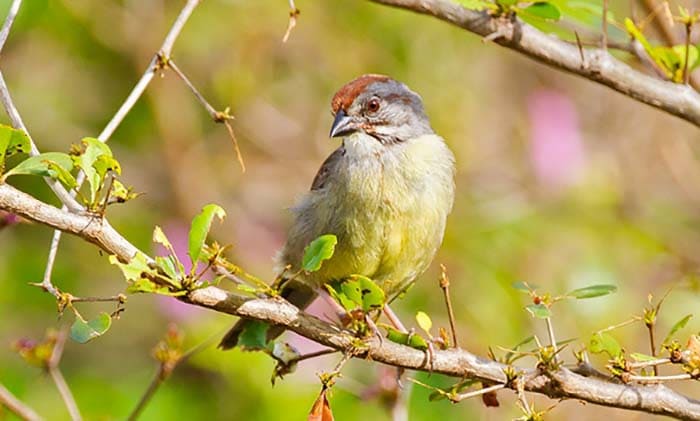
(373, 105)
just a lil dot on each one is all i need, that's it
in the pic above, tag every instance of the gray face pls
(386, 110)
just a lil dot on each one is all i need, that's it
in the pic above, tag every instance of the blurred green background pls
(561, 183)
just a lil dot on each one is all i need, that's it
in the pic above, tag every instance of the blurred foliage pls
(561, 183)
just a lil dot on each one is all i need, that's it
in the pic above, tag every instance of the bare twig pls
(652, 345)
(686, 71)
(659, 379)
(19, 408)
(462, 396)
(552, 338)
(604, 41)
(459, 363)
(57, 376)
(218, 116)
(445, 285)
(676, 99)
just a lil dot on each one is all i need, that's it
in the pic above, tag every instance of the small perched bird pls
(385, 193)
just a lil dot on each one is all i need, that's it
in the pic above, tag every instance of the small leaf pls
(592, 291)
(372, 295)
(82, 331)
(160, 238)
(132, 271)
(11, 141)
(424, 321)
(539, 310)
(199, 230)
(121, 193)
(603, 342)
(167, 266)
(39, 165)
(92, 150)
(676, 327)
(63, 175)
(335, 290)
(106, 163)
(317, 251)
(544, 10)
(254, 336)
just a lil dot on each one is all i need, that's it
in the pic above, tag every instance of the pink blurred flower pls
(555, 140)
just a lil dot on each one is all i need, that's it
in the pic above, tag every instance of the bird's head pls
(380, 107)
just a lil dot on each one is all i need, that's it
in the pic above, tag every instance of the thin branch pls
(57, 376)
(659, 379)
(604, 42)
(552, 338)
(445, 286)
(462, 396)
(677, 99)
(19, 408)
(459, 363)
(218, 116)
(11, 15)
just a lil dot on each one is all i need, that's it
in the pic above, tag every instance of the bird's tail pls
(295, 292)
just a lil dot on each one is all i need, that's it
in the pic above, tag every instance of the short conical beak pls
(342, 125)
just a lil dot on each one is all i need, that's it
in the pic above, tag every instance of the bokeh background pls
(561, 183)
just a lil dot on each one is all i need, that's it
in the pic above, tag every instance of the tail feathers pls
(296, 293)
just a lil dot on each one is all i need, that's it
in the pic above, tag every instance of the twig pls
(580, 50)
(311, 355)
(164, 371)
(217, 116)
(652, 345)
(121, 298)
(462, 396)
(686, 72)
(57, 376)
(11, 15)
(293, 13)
(445, 285)
(657, 379)
(604, 42)
(19, 408)
(650, 363)
(552, 339)
(157, 380)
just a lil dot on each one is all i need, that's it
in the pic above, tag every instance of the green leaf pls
(424, 321)
(254, 336)
(82, 331)
(167, 266)
(642, 357)
(159, 237)
(592, 291)
(603, 342)
(132, 271)
(544, 10)
(12, 141)
(106, 163)
(93, 149)
(676, 327)
(539, 310)
(39, 165)
(317, 251)
(335, 290)
(199, 230)
(372, 296)
(121, 193)
(63, 175)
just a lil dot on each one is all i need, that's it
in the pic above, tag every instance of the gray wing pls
(327, 168)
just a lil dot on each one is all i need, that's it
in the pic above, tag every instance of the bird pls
(385, 193)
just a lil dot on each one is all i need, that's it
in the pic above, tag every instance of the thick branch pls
(598, 65)
(656, 399)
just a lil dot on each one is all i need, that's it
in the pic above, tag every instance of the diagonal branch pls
(677, 99)
(459, 363)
